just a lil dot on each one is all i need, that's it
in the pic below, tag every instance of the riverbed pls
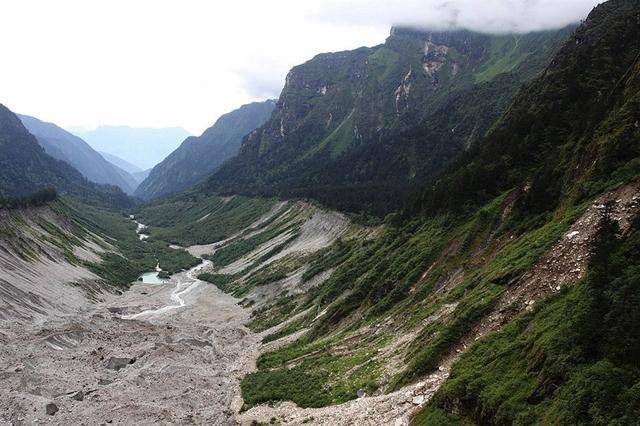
(186, 348)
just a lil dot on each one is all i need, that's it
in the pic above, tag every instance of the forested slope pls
(359, 129)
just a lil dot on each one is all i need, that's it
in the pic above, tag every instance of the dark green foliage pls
(221, 281)
(262, 277)
(232, 252)
(358, 130)
(37, 199)
(332, 257)
(317, 380)
(116, 270)
(193, 218)
(137, 256)
(267, 317)
(570, 134)
(574, 360)
(26, 169)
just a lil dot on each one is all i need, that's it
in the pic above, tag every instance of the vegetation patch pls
(137, 256)
(195, 218)
(221, 281)
(563, 363)
(326, 375)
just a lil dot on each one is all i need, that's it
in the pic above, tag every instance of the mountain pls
(357, 129)
(132, 173)
(64, 146)
(141, 176)
(572, 132)
(144, 147)
(123, 164)
(197, 157)
(507, 294)
(25, 168)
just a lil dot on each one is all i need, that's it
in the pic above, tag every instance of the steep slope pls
(508, 292)
(197, 157)
(26, 168)
(144, 147)
(141, 176)
(121, 163)
(64, 146)
(356, 129)
(43, 272)
(570, 134)
(131, 170)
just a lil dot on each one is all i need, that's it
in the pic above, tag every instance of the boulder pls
(51, 409)
(116, 363)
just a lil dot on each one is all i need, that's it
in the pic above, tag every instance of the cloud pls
(493, 16)
(262, 79)
(161, 63)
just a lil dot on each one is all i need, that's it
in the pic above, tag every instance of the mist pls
(489, 16)
(195, 61)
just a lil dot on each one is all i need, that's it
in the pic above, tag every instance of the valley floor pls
(173, 353)
(176, 366)
(169, 354)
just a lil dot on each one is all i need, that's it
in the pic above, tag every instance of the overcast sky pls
(183, 63)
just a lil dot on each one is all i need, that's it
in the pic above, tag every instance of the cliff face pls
(355, 129)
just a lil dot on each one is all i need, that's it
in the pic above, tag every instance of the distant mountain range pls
(123, 164)
(138, 174)
(199, 156)
(64, 146)
(143, 147)
(25, 167)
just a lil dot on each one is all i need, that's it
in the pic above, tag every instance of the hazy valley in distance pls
(417, 214)
(143, 147)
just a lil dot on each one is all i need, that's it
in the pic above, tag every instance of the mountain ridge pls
(67, 147)
(26, 168)
(383, 118)
(198, 156)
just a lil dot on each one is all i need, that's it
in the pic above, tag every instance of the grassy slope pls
(193, 218)
(136, 256)
(383, 282)
(552, 156)
(573, 360)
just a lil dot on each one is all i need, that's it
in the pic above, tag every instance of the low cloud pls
(491, 16)
(263, 82)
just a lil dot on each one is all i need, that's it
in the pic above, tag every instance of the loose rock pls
(51, 409)
(117, 364)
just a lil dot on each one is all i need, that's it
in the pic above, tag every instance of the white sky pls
(161, 63)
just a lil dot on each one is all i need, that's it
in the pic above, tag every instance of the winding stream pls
(187, 282)
(185, 285)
